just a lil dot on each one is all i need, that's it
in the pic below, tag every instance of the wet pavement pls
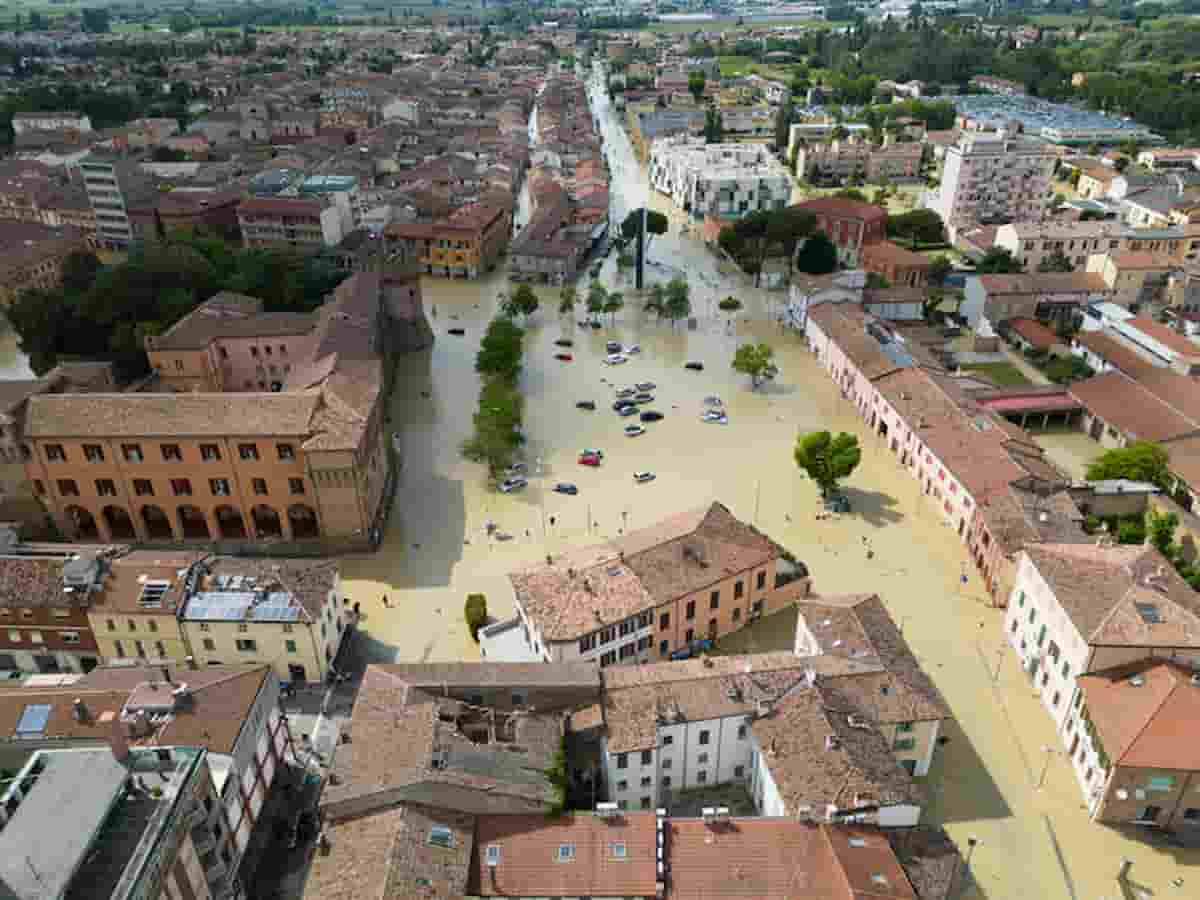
(1035, 843)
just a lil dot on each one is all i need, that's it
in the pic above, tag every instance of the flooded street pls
(436, 552)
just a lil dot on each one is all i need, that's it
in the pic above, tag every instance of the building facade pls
(991, 177)
(723, 180)
(850, 224)
(468, 244)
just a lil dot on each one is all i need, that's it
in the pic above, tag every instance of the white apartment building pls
(722, 180)
(1031, 242)
(992, 177)
(1078, 608)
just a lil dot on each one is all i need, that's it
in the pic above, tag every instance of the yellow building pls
(286, 613)
(134, 615)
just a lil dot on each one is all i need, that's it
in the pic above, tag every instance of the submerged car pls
(589, 459)
(643, 477)
(643, 398)
(619, 405)
(593, 451)
(651, 415)
(457, 331)
(516, 483)
(625, 392)
(564, 342)
(715, 418)
(613, 346)
(634, 430)
(586, 404)
(564, 357)
(694, 365)
(615, 359)
(645, 385)
(630, 410)
(565, 487)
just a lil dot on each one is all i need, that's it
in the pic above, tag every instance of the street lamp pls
(1049, 751)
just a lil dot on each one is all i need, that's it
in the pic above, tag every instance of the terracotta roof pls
(1114, 352)
(530, 864)
(818, 759)
(399, 729)
(281, 206)
(1137, 260)
(33, 582)
(123, 586)
(869, 864)
(222, 697)
(858, 626)
(1045, 283)
(496, 674)
(230, 315)
(389, 856)
(606, 583)
(844, 207)
(1112, 594)
(846, 325)
(307, 581)
(170, 415)
(1034, 333)
(1149, 723)
(1131, 408)
(891, 252)
(1166, 336)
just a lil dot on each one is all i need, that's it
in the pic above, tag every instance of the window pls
(664, 621)
(702, 777)
(607, 635)
(181, 487)
(647, 780)
(132, 452)
(587, 642)
(286, 452)
(739, 590)
(904, 727)
(112, 626)
(152, 625)
(67, 487)
(291, 646)
(1155, 783)
(760, 581)
(691, 609)
(93, 453)
(69, 637)
(622, 785)
(714, 600)
(160, 649)
(38, 487)
(617, 850)
(645, 803)
(625, 627)
(55, 453)
(493, 855)
(622, 760)
(14, 636)
(702, 758)
(737, 614)
(254, 351)
(219, 486)
(204, 626)
(647, 757)
(132, 624)
(35, 637)
(743, 730)
(666, 782)
(120, 649)
(247, 645)
(248, 451)
(688, 635)
(628, 650)
(566, 853)
(1021, 599)
(663, 648)
(904, 744)
(441, 836)
(296, 486)
(143, 487)
(704, 737)
(645, 620)
(739, 771)
(209, 644)
(668, 740)
(106, 487)
(210, 452)
(242, 626)
(666, 763)
(172, 453)
(259, 486)
(1066, 670)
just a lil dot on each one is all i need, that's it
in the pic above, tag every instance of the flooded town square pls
(437, 550)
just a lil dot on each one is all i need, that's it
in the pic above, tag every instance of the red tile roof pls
(844, 207)
(1034, 333)
(1131, 408)
(610, 857)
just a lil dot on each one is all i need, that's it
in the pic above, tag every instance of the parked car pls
(836, 502)
(613, 346)
(712, 417)
(595, 326)
(643, 398)
(615, 359)
(694, 365)
(586, 404)
(593, 451)
(633, 348)
(651, 415)
(589, 459)
(619, 405)
(625, 392)
(564, 342)
(643, 477)
(517, 469)
(565, 487)
(516, 483)
(645, 385)
(564, 357)
(457, 331)
(630, 410)
(634, 430)
(713, 400)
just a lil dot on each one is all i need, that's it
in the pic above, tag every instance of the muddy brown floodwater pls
(1031, 843)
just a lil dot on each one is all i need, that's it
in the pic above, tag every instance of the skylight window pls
(33, 720)
(441, 836)
(566, 852)
(1148, 612)
(857, 842)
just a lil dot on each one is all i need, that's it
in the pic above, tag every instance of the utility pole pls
(641, 251)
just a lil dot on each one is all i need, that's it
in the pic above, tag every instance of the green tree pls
(656, 302)
(568, 296)
(827, 459)
(677, 302)
(521, 302)
(500, 350)
(731, 305)
(95, 21)
(656, 224)
(78, 271)
(754, 360)
(696, 82)
(475, 613)
(1160, 529)
(783, 124)
(714, 126)
(818, 256)
(1139, 461)
(497, 434)
(920, 226)
(613, 304)
(180, 23)
(596, 298)
(998, 261)
(939, 267)
(1055, 262)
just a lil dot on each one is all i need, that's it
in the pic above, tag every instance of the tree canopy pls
(998, 261)
(1139, 461)
(754, 360)
(827, 459)
(818, 256)
(677, 300)
(920, 226)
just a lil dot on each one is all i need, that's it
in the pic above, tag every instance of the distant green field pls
(735, 65)
(732, 24)
(1001, 374)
